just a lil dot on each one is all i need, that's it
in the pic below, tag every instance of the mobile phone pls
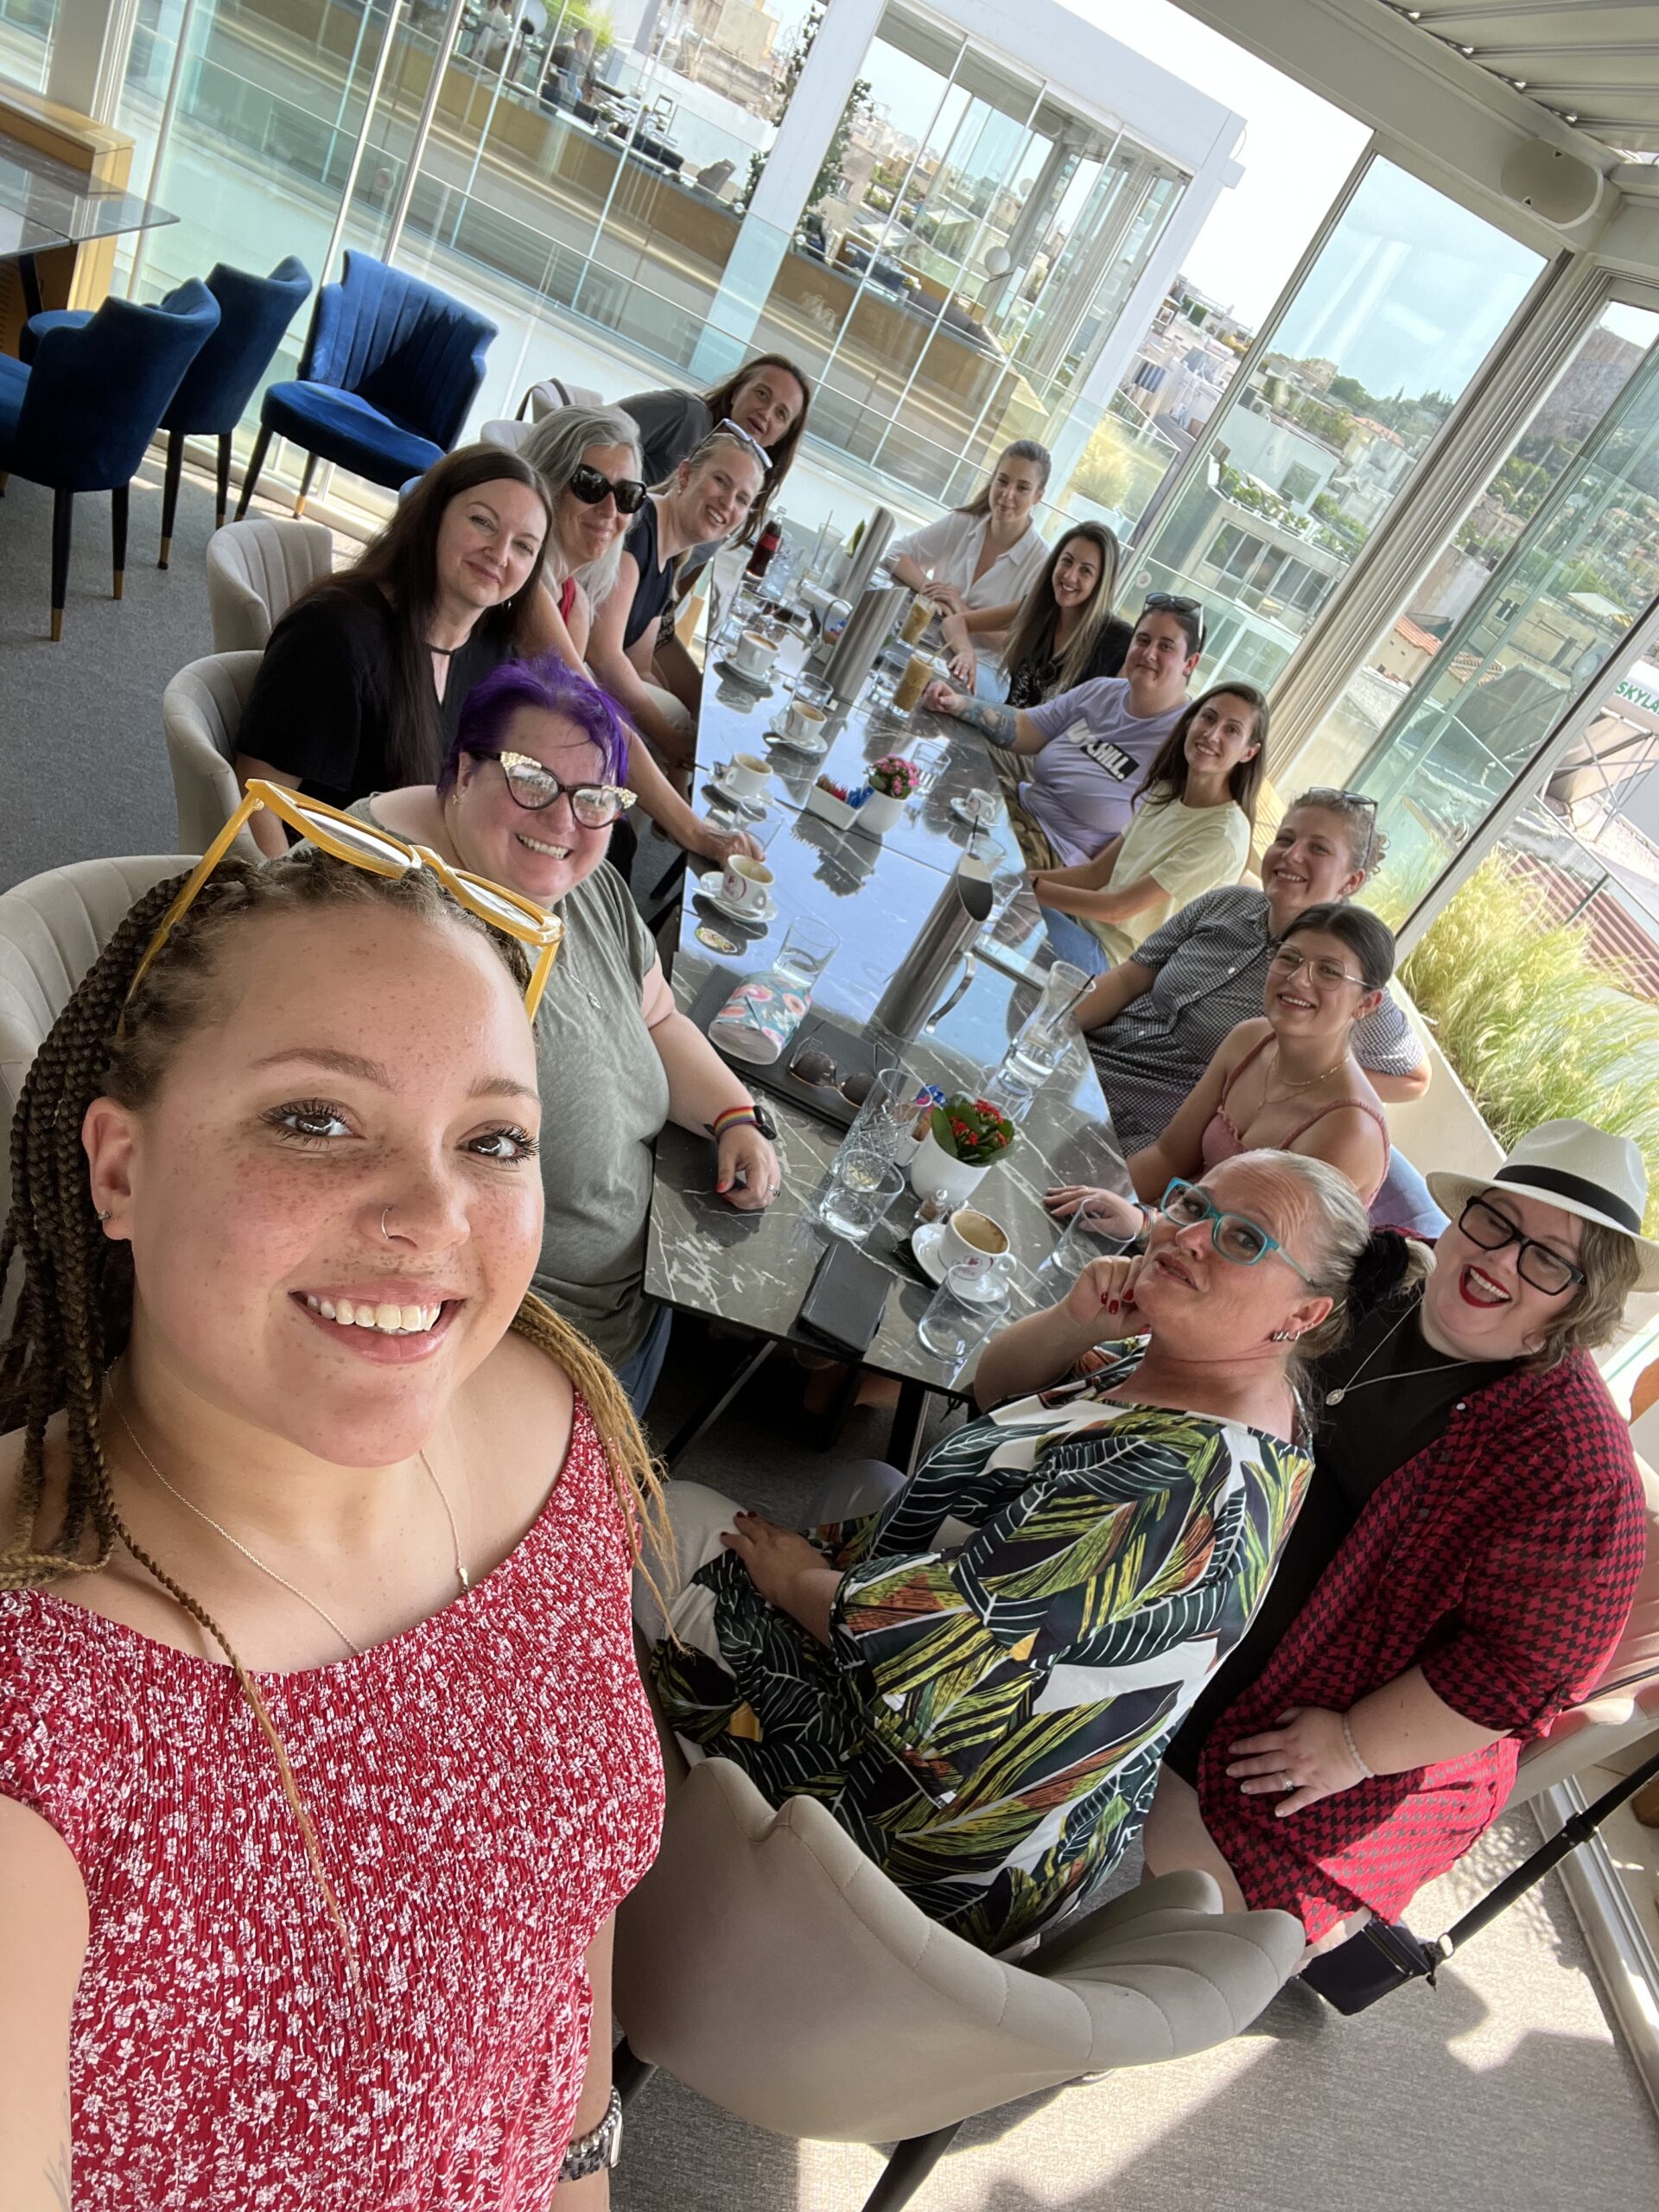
(846, 1298)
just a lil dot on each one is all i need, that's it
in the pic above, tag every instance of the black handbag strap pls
(1577, 1830)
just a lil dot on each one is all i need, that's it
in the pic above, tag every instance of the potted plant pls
(893, 780)
(965, 1137)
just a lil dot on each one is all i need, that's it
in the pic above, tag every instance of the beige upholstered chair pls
(769, 1965)
(255, 570)
(201, 712)
(52, 929)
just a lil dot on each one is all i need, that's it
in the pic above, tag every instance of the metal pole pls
(423, 128)
(345, 89)
(394, 16)
(163, 131)
(483, 136)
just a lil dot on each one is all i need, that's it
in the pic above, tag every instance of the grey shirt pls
(604, 1100)
(1210, 962)
(672, 424)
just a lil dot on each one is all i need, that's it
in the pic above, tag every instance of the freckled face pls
(357, 1060)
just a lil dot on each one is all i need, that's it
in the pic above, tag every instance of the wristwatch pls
(598, 2150)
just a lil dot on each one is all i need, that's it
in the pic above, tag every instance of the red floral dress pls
(486, 1787)
(1502, 1561)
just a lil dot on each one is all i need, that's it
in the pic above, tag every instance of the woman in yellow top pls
(1193, 817)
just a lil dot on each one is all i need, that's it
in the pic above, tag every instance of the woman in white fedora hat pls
(1463, 1566)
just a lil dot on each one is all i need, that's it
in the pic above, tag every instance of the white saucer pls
(974, 821)
(745, 801)
(757, 679)
(751, 918)
(924, 1241)
(809, 748)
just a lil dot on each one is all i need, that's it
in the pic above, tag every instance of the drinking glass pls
(860, 1191)
(960, 1315)
(929, 758)
(1049, 1027)
(807, 950)
(1095, 1231)
(884, 1128)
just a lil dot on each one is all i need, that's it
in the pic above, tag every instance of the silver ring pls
(1287, 1781)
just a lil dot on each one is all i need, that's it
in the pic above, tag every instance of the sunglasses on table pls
(1541, 1265)
(1287, 960)
(1170, 602)
(1235, 1235)
(591, 485)
(595, 806)
(360, 844)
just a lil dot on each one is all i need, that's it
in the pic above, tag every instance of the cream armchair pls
(255, 570)
(201, 712)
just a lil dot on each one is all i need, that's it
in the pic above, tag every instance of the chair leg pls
(909, 2167)
(306, 474)
(629, 2074)
(63, 511)
(256, 463)
(119, 505)
(170, 492)
(222, 499)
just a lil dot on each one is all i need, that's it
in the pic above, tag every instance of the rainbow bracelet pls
(729, 1120)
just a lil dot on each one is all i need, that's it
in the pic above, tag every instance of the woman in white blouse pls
(980, 561)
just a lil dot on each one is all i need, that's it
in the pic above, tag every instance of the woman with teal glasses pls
(977, 1671)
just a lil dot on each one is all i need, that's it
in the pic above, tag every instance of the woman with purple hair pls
(530, 789)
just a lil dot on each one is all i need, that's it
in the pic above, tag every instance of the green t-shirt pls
(604, 1099)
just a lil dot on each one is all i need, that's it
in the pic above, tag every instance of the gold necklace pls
(271, 1573)
(1307, 1083)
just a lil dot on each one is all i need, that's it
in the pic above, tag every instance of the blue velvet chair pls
(253, 313)
(391, 368)
(80, 416)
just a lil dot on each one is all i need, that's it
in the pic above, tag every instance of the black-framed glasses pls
(1287, 960)
(592, 487)
(1235, 1235)
(731, 430)
(1171, 602)
(595, 806)
(1550, 1271)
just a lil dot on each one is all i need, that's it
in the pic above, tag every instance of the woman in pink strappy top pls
(324, 1759)
(1287, 1081)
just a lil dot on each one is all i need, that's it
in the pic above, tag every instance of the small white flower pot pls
(935, 1169)
(879, 813)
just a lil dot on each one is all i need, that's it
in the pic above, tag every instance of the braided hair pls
(75, 1309)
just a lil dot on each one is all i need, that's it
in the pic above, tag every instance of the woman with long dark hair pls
(361, 686)
(767, 397)
(1193, 815)
(1065, 632)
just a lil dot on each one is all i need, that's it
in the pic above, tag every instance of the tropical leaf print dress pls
(1015, 1639)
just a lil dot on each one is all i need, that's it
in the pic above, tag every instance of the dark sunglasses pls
(1169, 602)
(591, 486)
(595, 806)
(1541, 1265)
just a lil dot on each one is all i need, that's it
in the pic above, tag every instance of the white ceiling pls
(1594, 63)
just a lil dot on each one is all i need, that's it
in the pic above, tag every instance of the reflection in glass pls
(26, 29)
(1408, 298)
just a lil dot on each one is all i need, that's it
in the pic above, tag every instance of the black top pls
(655, 585)
(1400, 1404)
(672, 425)
(1033, 680)
(321, 708)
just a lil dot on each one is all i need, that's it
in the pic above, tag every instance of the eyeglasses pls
(592, 487)
(1550, 1271)
(736, 430)
(360, 844)
(1169, 602)
(1287, 960)
(1235, 1235)
(595, 806)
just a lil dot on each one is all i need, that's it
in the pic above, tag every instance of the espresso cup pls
(973, 1239)
(745, 884)
(755, 651)
(979, 805)
(802, 719)
(747, 773)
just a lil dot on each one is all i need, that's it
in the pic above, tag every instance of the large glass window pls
(1542, 626)
(26, 28)
(1407, 298)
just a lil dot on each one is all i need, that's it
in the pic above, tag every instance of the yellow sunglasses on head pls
(361, 844)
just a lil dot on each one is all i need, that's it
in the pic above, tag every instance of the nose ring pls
(385, 1231)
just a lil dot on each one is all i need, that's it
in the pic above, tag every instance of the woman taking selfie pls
(632, 650)
(528, 795)
(1465, 1564)
(977, 1681)
(979, 562)
(320, 1728)
(1193, 815)
(361, 684)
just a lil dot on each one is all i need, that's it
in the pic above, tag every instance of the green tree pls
(829, 177)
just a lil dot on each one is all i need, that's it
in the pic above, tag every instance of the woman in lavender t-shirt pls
(1069, 767)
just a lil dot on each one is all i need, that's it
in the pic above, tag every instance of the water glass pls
(960, 1317)
(1049, 1028)
(885, 1128)
(929, 759)
(807, 950)
(860, 1190)
(1095, 1231)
